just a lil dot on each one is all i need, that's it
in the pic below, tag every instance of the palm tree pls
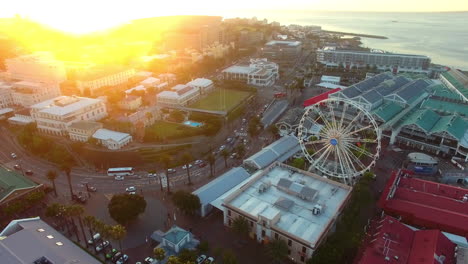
(225, 154)
(241, 226)
(69, 213)
(159, 254)
(52, 175)
(90, 221)
(186, 159)
(211, 160)
(166, 160)
(118, 233)
(67, 169)
(277, 250)
(77, 211)
(240, 150)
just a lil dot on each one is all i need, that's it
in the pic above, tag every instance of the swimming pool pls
(192, 123)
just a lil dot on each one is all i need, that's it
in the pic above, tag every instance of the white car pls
(152, 175)
(209, 260)
(149, 260)
(102, 245)
(185, 166)
(13, 155)
(198, 162)
(200, 259)
(119, 178)
(130, 189)
(122, 259)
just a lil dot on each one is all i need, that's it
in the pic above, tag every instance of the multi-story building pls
(83, 130)
(130, 102)
(456, 81)
(180, 95)
(37, 67)
(384, 61)
(203, 85)
(54, 116)
(420, 113)
(32, 240)
(96, 78)
(112, 139)
(26, 93)
(281, 50)
(259, 72)
(6, 99)
(282, 202)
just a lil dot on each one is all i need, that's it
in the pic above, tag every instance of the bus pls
(125, 171)
(421, 163)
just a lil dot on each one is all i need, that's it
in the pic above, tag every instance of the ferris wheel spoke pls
(343, 164)
(357, 160)
(332, 112)
(350, 161)
(360, 150)
(326, 152)
(324, 119)
(360, 129)
(345, 108)
(350, 125)
(318, 151)
(316, 142)
(360, 140)
(335, 165)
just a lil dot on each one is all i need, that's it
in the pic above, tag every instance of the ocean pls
(441, 36)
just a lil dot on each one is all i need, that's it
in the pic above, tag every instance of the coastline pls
(355, 34)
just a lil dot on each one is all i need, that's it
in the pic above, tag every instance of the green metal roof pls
(388, 111)
(456, 83)
(10, 181)
(424, 118)
(442, 91)
(446, 106)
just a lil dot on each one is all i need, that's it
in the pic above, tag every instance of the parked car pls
(200, 259)
(229, 140)
(149, 260)
(111, 253)
(209, 260)
(198, 162)
(171, 170)
(201, 165)
(17, 167)
(119, 178)
(94, 239)
(13, 155)
(222, 147)
(29, 172)
(185, 167)
(122, 259)
(92, 189)
(152, 175)
(130, 189)
(116, 257)
(102, 246)
(233, 155)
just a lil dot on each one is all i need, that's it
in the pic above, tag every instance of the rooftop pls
(327, 78)
(11, 181)
(175, 235)
(240, 69)
(136, 88)
(426, 203)
(100, 71)
(320, 97)
(374, 53)
(290, 207)
(200, 82)
(279, 150)
(458, 80)
(28, 240)
(105, 134)
(283, 43)
(150, 81)
(64, 105)
(86, 125)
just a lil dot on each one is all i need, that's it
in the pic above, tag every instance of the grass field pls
(221, 100)
(171, 130)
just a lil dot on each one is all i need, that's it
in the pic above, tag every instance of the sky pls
(84, 16)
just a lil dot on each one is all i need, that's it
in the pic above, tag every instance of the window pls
(289, 252)
(276, 235)
(304, 249)
(229, 222)
(263, 233)
(302, 259)
(289, 242)
(229, 212)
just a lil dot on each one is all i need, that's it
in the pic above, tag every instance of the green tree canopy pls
(277, 250)
(241, 226)
(186, 202)
(124, 208)
(159, 254)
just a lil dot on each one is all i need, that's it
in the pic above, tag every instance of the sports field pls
(221, 100)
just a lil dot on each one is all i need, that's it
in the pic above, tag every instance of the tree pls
(241, 226)
(167, 160)
(225, 155)
(229, 257)
(211, 160)
(90, 222)
(69, 213)
(240, 150)
(186, 159)
(277, 250)
(203, 247)
(186, 202)
(118, 232)
(298, 163)
(124, 208)
(159, 254)
(67, 169)
(186, 255)
(173, 260)
(52, 175)
(77, 211)
(273, 130)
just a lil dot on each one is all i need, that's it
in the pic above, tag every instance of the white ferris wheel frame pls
(340, 147)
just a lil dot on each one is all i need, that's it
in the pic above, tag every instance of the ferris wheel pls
(339, 138)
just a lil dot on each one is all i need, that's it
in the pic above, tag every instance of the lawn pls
(221, 100)
(171, 130)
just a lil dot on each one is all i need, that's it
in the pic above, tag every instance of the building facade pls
(282, 50)
(180, 95)
(37, 67)
(54, 116)
(112, 139)
(259, 72)
(26, 93)
(384, 61)
(83, 130)
(203, 85)
(97, 78)
(130, 102)
(285, 203)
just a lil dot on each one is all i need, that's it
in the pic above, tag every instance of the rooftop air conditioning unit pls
(317, 209)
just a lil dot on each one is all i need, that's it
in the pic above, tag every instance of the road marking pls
(108, 196)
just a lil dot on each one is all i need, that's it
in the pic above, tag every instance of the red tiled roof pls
(392, 242)
(319, 98)
(425, 203)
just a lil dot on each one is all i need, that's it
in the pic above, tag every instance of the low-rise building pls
(21, 117)
(204, 85)
(14, 186)
(32, 240)
(83, 130)
(175, 240)
(150, 82)
(180, 95)
(6, 98)
(282, 202)
(54, 116)
(36, 67)
(330, 79)
(130, 102)
(96, 78)
(25, 93)
(138, 88)
(282, 50)
(259, 72)
(456, 81)
(112, 139)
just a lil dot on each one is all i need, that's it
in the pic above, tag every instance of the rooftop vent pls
(318, 209)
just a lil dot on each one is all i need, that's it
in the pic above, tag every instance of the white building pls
(83, 130)
(6, 99)
(26, 93)
(97, 78)
(282, 202)
(259, 72)
(112, 139)
(330, 79)
(54, 116)
(37, 67)
(139, 88)
(382, 60)
(181, 95)
(204, 85)
(150, 82)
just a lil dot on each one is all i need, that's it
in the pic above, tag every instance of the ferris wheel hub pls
(334, 141)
